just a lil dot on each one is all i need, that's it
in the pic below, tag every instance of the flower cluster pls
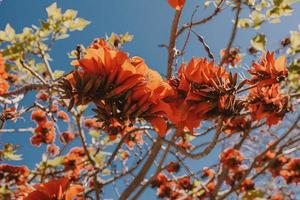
(291, 173)
(74, 162)
(13, 174)
(123, 89)
(4, 85)
(56, 189)
(281, 165)
(45, 131)
(269, 71)
(202, 91)
(231, 158)
(232, 57)
(170, 188)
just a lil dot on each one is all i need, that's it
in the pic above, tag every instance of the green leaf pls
(62, 36)
(9, 152)
(257, 18)
(244, 23)
(70, 14)
(12, 156)
(53, 11)
(94, 133)
(263, 4)
(4, 191)
(79, 24)
(58, 73)
(56, 161)
(259, 42)
(3, 36)
(99, 158)
(253, 194)
(126, 38)
(295, 42)
(10, 32)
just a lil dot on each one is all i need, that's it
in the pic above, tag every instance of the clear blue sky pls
(148, 20)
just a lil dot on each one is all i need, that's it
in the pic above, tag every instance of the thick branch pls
(142, 173)
(172, 43)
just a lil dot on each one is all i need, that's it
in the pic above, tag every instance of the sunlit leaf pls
(295, 42)
(79, 24)
(253, 194)
(259, 42)
(53, 11)
(56, 161)
(257, 19)
(12, 156)
(70, 14)
(244, 23)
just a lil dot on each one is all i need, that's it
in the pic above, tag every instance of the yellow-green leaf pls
(257, 18)
(56, 161)
(126, 38)
(259, 42)
(53, 11)
(79, 24)
(94, 133)
(11, 156)
(10, 32)
(70, 14)
(295, 42)
(244, 23)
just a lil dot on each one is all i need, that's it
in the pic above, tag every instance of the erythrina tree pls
(144, 129)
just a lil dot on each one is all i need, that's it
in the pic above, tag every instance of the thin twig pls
(203, 21)
(234, 32)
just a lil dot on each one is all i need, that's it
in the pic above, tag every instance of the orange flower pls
(236, 124)
(39, 116)
(231, 158)
(232, 57)
(134, 138)
(74, 162)
(9, 173)
(268, 102)
(4, 86)
(173, 167)
(124, 89)
(235, 175)
(207, 172)
(55, 189)
(197, 93)
(292, 172)
(63, 116)
(176, 4)
(44, 133)
(277, 165)
(269, 70)
(53, 108)
(92, 123)
(3, 73)
(53, 150)
(42, 96)
(277, 196)
(66, 137)
(247, 185)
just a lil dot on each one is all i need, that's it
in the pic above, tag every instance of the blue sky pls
(148, 20)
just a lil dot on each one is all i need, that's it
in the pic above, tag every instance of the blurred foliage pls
(36, 41)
